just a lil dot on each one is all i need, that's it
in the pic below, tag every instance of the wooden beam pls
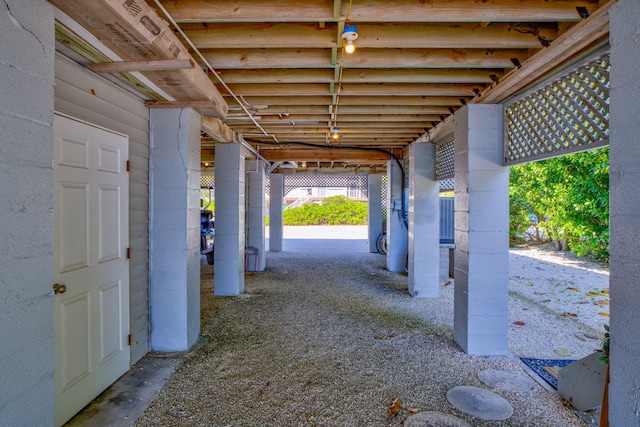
(134, 32)
(267, 89)
(205, 108)
(363, 75)
(377, 11)
(368, 89)
(367, 58)
(157, 65)
(322, 155)
(388, 35)
(217, 130)
(222, 59)
(434, 58)
(574, 40)
(356, 100)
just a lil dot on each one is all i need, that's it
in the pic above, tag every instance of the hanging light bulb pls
(349, 48)
(349, 35)
(335, 132)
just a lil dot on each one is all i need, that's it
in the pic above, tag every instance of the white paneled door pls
(91, 269)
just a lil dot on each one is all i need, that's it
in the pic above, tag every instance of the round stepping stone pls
(434, 419)
(504, 380)
(479, 403)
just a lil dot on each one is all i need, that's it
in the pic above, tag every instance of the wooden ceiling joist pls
(323, 155)
(388, 35)
(372, 11)
(369, 58)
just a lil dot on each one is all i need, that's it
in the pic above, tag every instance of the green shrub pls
(336, 210)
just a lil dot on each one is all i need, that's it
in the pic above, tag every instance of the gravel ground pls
(328, 337)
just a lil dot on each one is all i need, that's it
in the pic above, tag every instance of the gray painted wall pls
(86, 95)
(26, 220)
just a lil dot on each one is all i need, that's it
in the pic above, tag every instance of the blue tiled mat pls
(538, 365)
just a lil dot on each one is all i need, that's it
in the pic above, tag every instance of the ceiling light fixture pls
(335, 132)
(349, 35)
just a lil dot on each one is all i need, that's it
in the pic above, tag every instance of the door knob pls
(59, 289)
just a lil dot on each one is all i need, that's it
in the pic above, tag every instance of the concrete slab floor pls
(122, 403)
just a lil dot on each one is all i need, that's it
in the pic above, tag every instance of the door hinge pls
(128, 165)
(129, 339)
(128, 253)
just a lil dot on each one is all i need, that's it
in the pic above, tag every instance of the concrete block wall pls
(26, 220)
(424, 222)
(175, 229)
(624, 202)
(481, 231)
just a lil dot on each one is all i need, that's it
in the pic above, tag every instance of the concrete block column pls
(624, 217)
(396, 229)
(374, 183)
(276, 225)
(174, 294)
(256, 210)
(26, 222)
(481, 231)
(230, 220)
(424, 222)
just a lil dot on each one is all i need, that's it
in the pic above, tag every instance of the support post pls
(276, 225)
(374, 184)
(256, 211)
(174, 294)
(481, 231)
(396, 229)
(26, 221)
(624, 202)
(230, 220)
(424, 222)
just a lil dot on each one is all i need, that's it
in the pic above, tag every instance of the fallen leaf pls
(561, 351)
(546, 300)
(567, 314)
(592, 294)
(412, 410)
(383, 337)
(602, 313)
(604, 292)
(528, 284)
(519, 323)
(395, 407)
(573, 289)
(525, 308)
(447, 283)
(539, 293)
(603, 301)
(556, 279)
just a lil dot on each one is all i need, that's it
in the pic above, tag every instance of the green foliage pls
(606, 342)
(336, 210)
(207, 202)
(573, 192)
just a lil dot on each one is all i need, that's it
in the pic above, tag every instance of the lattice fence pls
(444, 159)
(207, 181)
(356, 182)
(570, 114)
